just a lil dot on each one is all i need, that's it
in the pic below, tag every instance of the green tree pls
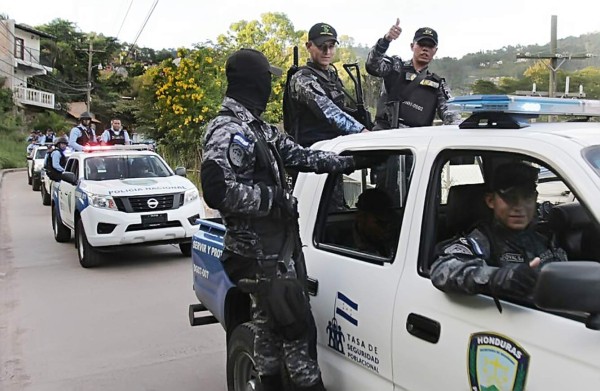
(485, 87)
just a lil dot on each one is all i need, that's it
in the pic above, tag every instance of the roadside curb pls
(9, 170)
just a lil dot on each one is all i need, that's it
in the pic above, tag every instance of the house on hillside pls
(21, 59)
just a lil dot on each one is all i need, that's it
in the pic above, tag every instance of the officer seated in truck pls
(376, 224)
(500, 256)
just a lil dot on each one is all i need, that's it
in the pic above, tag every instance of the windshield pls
(592, 155)
(102, 168)
(41, 153)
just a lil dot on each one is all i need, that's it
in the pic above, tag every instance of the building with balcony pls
(20, 59)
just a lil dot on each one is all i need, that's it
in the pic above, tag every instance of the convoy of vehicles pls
(381, 324)
(118, 196)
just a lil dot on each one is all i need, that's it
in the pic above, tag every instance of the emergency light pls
(104, 148)
(513, 112)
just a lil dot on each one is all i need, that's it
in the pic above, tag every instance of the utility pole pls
(554, 58)
(90, 52)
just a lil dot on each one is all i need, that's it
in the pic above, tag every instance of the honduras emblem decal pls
(496, 363)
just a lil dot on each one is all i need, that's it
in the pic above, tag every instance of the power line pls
(142, 28)
(125, 17)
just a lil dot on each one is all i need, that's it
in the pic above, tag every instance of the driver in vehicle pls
(375, 228)
(501, 257)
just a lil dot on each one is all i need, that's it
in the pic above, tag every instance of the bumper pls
(112, 228)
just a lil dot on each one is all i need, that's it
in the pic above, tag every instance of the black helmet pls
(85, 115)
(62, 139)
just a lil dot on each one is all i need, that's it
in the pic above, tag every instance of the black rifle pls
(290, 117)
(362, 115)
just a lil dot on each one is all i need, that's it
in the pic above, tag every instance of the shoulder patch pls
(236, 154)
(240, 139)
(458, 248)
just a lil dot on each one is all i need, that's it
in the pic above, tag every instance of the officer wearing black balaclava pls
(242, 176)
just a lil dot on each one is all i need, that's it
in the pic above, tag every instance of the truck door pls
(457, 341)
(351, 238)
(67, 195)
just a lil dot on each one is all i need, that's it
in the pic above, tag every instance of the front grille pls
(140, 204)
(141, 227)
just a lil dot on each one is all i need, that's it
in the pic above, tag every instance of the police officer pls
(115, 135)
(83, 133)
(500, 257)
(55, 164)
(317, 92)
(243, 177)
(411, 93)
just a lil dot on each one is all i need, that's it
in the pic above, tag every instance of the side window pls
(547, 223)
(69, 165)
(360, 214)
(75, 168)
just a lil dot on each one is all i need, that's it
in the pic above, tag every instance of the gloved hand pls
(285, 201)
(516, 279)
(365, 161)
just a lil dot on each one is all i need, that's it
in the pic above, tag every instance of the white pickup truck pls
(117, 196)
(381, 324)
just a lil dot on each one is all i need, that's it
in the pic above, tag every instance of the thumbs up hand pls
(394, 32)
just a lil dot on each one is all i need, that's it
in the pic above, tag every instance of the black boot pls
(271, 383)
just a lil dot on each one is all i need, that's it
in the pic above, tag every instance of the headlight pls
(190, 196)
(101, 201)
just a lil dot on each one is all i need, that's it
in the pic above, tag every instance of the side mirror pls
(69, 177)
(181, 171)
(570, 286)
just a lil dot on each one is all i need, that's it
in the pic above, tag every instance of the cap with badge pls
(426, 33)
(321, 33)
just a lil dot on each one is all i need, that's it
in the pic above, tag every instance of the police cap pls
(426, 33)
(248, 63)
(321, 33)
(514, 176)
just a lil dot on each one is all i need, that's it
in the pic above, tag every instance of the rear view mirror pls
(69, 177)
(181, 171)
(570, 286)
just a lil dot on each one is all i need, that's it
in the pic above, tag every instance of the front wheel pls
(62, 233)
(45, 195)
(35, 184)
(241, 368)
(88, 255)
(186, 249)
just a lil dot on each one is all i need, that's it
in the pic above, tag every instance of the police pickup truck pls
(113, 196)
(35, 164)
(381, 324)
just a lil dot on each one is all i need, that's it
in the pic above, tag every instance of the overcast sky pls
(464, 26)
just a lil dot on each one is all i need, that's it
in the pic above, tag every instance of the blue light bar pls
(524, 105)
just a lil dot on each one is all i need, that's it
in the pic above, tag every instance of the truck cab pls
(381, 324)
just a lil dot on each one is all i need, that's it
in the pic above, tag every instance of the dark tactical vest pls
(419, 107)
(310, 127)
(53, 173)
(271, 228)
(86, 136)
(116, 139)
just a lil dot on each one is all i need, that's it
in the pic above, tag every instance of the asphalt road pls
(122, 326)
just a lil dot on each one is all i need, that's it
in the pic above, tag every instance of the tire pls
(29, 179)
(45, 196)
(87, 254)
(241, 372)
(35, 184)
(61, 232)
(186, 249)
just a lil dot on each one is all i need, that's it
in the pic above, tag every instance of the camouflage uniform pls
(390, 68)
(319, 99)
(466, 264)
(255, 227)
